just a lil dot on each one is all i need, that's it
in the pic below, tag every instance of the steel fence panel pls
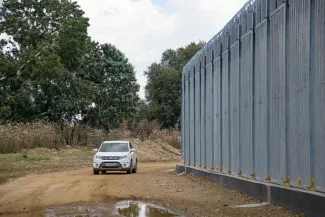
(203, 137)
(261, 101)
(197, 111)
(225, 147)
(280, 109)
(218, 112)
(187, 119)
(298, 64)
(277, 95)
(192, 118)
(209, 129)
(234, 106)
(246, 102)
(317, 85)
(182, 115)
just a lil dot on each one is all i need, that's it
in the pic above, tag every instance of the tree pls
(55, 72)
(116, 88)
(51, 36)
(163, 90)
(31, 22)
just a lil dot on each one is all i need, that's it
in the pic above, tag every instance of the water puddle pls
(139, 209)
(123, 208)
(99, 210)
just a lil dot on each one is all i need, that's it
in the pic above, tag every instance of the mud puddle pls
(123, 208)
(140, 209)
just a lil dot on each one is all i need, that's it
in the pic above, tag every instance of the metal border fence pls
(253, 99)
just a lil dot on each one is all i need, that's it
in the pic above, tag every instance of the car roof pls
(116, 141)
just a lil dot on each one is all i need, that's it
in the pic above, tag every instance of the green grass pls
(43, 160)
(21, 158)
(25, 158)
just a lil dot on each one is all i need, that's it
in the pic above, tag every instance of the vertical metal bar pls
(182, 115)
(218, 105)
(225, 106)
(272, 5)
(261, 101)
(298, 66)
(202, 163)
(277, 95)
(187, 121)
(209, 130)
(197, 111)
(206, 112)
(234, 106)
(192, 122)
(213, 107)
(318, 89)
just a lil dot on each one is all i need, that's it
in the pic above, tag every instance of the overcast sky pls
(143, 29)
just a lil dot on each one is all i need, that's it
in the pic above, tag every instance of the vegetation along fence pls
(253, 99)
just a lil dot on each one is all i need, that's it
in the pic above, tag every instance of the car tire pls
(96, 172)
(136, 167)
(130, 169)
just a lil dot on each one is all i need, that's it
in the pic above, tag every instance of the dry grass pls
(44, 160)
(43, 148)
(15, 137)
(173, 138)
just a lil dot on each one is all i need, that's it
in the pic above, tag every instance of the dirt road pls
(154, 182)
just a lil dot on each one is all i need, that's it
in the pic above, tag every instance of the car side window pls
(131, 147)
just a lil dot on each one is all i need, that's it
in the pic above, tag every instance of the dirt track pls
(31, 195)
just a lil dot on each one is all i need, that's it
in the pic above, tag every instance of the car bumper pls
(118, 165)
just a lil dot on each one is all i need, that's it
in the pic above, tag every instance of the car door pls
(133, 154)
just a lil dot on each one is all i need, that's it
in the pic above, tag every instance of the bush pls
(144, 129)
(171, 137)
(15, 137)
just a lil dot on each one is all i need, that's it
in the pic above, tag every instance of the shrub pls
(144, 129)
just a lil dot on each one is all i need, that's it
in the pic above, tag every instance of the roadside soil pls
(44, 160)
(154, 182)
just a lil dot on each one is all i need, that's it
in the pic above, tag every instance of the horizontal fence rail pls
(253, 99)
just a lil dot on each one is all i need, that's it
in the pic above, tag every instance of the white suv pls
(115, 156)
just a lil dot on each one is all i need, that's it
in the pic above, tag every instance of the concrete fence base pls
(299, 201)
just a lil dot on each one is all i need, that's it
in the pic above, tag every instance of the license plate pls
(110, 164)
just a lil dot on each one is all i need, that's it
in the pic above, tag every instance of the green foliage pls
(54, 72)
(163, 90)
(32, 21)
(25, 158)
(116, 88)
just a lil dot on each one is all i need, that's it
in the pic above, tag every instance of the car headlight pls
(98, 157)
(123, 157)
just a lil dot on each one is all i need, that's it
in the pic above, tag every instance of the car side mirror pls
(133, 150)
(95, 150)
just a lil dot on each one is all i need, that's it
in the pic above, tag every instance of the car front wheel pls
(130, 169)
(96, 172)
(136, 167)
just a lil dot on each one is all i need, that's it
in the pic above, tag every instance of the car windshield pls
(114, 147)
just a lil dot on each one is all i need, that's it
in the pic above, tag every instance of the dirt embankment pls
(156, 151)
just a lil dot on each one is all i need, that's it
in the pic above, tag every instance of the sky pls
(144, 29)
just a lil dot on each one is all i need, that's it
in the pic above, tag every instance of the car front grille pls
(113, 165)
(110, 157)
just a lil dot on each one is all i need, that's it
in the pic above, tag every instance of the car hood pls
(111, 153)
